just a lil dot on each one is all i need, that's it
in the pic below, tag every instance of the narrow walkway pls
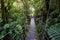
(31, 35)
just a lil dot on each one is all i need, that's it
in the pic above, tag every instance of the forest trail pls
(32, 30)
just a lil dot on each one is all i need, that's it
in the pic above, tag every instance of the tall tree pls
(3, 12)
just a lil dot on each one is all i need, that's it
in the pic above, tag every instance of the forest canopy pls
(15, 18)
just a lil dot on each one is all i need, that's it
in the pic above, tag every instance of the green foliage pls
(53, 24)
(17, 19)
(55, 13)
(17, 12)
(6, 26)
(0, 20)
(2, 34)
(54, 31)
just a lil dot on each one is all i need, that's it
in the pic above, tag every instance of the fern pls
(54, 32)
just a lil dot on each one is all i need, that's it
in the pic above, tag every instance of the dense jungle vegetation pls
(15, 18)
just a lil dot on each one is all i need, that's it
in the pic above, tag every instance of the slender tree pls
(3, 12)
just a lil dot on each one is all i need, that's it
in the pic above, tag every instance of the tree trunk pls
(3, 12)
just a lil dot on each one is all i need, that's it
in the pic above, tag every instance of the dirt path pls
(32, 31)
